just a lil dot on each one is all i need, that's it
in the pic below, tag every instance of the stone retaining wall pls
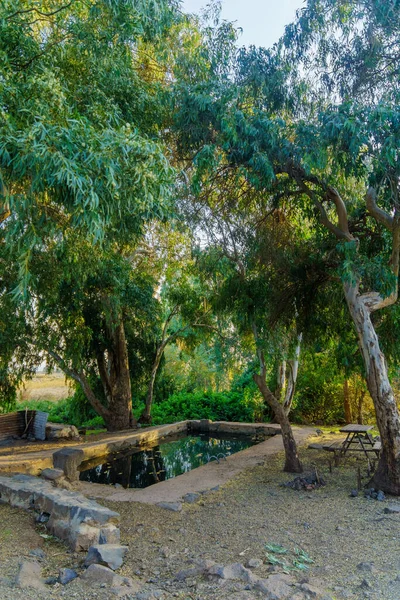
(69, 516)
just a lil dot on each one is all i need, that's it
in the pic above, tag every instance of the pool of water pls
(142, 467)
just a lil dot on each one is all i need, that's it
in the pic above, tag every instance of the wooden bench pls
(338, 448)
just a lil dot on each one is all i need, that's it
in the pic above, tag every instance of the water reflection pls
(141, 468)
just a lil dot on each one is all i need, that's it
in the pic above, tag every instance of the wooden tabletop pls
(355, 428)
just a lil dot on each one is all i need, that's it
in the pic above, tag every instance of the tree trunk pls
(360, 406)
(292, 461)
(145, 417)
(116, 381)
(292, 376)
(347, 406)
(387, 475)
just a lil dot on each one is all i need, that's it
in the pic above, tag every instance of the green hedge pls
(217, 406)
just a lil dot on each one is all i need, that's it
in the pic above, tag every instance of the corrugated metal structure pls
(17, 423)
(39, 425)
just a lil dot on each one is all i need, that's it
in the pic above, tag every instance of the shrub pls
(217, 406)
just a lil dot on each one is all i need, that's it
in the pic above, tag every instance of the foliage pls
(217, 406)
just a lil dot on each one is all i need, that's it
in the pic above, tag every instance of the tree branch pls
(379, 215)
(80, 378)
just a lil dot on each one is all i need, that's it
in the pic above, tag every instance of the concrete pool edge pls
(198, 481)
(71, 456)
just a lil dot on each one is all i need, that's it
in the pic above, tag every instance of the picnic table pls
(358, 439)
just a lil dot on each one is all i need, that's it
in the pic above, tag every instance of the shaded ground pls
(233, 525)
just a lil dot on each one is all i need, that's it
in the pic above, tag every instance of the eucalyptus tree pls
(82, 170)
(327, 150)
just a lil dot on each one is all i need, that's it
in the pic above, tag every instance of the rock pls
(191, 497)
(366, 566)
(165, 552)
(58, 431)
(66, 575)
(353, 493)
(234, 571)
(103, 576)
(38, 553)
(311, 591)
(276, 587)
(29, 576)
(254, 563)
(392, 509)
(174, 506)
(68, 515)
(186, 573)
(108, 555)
(365, 585)
(51, 580)
(42, 518)
(68, 460)
(52, 474)
(380, 496)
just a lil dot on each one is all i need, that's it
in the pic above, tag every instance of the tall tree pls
(285, 134)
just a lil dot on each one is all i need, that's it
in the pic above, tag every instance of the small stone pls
(165, 552)
(311, 591)
(365, 584)
(366, 566)
(353, 493)
(51, 580)
(276, 586)
(174, 506)
(108, 555)
(52, 474)
(191, 497)
(234, 571)
(42, 517)
(67, 575)
(380, 496)
(254, 563)
(392, 509)
(38, 553)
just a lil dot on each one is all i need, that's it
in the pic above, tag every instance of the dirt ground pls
(355, 545)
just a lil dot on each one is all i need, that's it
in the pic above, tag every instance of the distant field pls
(46, 387)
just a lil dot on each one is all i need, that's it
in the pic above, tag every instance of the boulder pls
(108, 555)
(58, 431)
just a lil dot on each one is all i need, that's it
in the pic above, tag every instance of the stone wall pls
(68, 515)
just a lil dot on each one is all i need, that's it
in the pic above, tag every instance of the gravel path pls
(354, 544)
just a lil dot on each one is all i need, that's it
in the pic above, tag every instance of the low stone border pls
(68, 515)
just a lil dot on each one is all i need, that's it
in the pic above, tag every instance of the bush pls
(70, 411)
(217, 406)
